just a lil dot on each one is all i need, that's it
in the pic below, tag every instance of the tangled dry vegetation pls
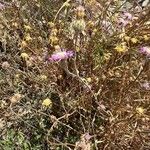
(74, 75)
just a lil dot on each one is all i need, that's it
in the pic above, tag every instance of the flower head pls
(89, 80)
(127, 38)
(121, 47)
(146, 85)
(43, 77)
(145, 50)
(27, 27)
(28, 37)
(1, 6)
(23, 44)
(123, 22)
(16, 98)
(24, 55)
(5, 65)
(128, 16)
(125, 19)
(87, 136)
(47, 102)
(134, 40)
(61, 55)
(140, 110)
(146, 38)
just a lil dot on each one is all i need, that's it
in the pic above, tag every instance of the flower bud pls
(79, 25)
(51, 24)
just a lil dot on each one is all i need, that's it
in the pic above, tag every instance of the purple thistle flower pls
(145, 50)
(122, 22)
(128, 16)
(87, 136)
(1, 6)
(146, 85)
(58, 56)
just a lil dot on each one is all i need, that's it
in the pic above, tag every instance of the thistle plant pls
(74, 74)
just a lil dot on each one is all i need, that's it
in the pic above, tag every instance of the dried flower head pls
(28, 37)
(140, 110)
(146, 38)
(84, 142)
(27, 27)
(51, 24)
(5, 65)
(127, 38)
(57, 48)
(24, 56)
(15, 98)
(15, 24)
(121, 47)
(134, 40)
(89, 80)
(23, 44)
(43, 77)
(53, 40)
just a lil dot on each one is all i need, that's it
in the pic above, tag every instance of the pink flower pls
(1, 6)
(128, 16)
(122, 22)
(145, 50)
(87, 136)
(125, 19)
(57, 56)
(146, 85)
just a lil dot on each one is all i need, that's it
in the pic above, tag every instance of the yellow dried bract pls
(43, 77)
(89, 80)
(146, 38)
(27, 27)
(134, 40)
(23, 44)
(51, 24)
(28, 37)
(24, 55)
(140, 110)
(127, 38)
(47, 102)
(121, 47)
